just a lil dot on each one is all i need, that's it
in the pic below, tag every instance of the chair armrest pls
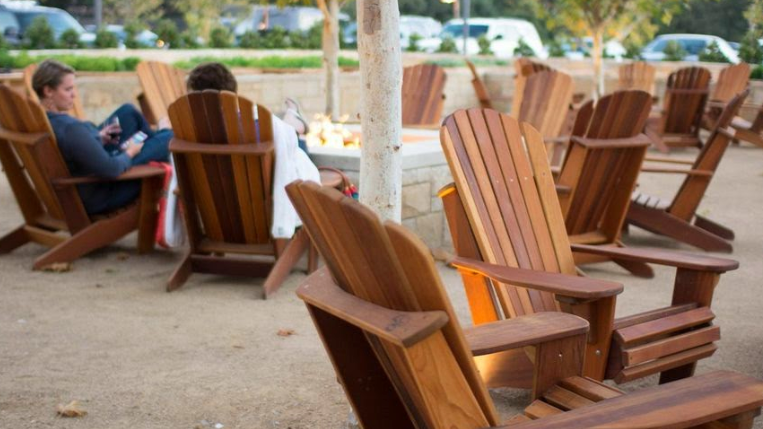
(677, 171)
(400, 327)
(26, 138)
(635, 141)
(134, 173)
(559, 140)
(662, 257)
(523, 331)
(182, 146)
(561, 284)
(667, 160)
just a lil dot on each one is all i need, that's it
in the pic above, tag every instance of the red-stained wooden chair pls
(423, 95)
(404, 362)
(503, 209)
(47, 193)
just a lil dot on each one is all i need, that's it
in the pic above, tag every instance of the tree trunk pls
(331, 55)
(597, 54)
(381, 117)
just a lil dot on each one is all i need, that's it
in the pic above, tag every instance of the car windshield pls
(60, 22)
(693, 46)
(7, 20)
(457, 30)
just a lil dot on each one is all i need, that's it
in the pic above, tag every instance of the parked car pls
(424, 26)
(59, 20)
(693, 44)
(504, 34)
(145, 38)
(292, 18)
(577, 50)
(9, 27)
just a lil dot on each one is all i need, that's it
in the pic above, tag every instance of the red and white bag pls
(169, 227)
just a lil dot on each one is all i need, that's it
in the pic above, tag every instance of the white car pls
(504, 35)
(424, 26)
(693, 44)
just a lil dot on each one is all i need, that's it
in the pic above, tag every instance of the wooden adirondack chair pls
(674, 219)
(732, 80)
(523, 68)
(751, 132)
(545, 105)
(162, 84)
(423, 96)
(47, 194)
(637, 75)
(504, 210)
(224, 168)
(404, 362)
(682, 109)
(599, 174)
(77, 110)
(479, 87)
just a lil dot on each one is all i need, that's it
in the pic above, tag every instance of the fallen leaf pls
(110, 271)
(58, 267)
(123, 256)
(70, 410)
(238, 346)
(98, 285)
(285, 332)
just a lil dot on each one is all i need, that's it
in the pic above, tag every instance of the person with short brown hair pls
(211, 76)
(95, 151)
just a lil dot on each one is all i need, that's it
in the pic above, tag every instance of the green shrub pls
(555, 49)
(457, 62)
(750, 50)
(632, 51)
(448, 45)
(105, 39)
(39, 34)
(132, 30)
(712, 54)
(413, 43)
(269, 62)
(312, 39)
(275, 38)
(189, 40)
(523, 49)
(69, 39)
(77, 62)
(250, 40)
(220, 37)
(674, 51)
(168, 33)
(484, 45)
(757, 73)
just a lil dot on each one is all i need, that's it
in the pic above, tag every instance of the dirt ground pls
(107, 335)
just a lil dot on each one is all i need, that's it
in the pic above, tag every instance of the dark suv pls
(59, 20)
(9, 26)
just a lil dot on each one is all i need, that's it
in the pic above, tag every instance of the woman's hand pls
(110, 134)
(133, 148)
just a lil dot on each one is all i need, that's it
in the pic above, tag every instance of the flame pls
(323, 132)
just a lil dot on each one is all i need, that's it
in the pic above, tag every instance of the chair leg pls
(684, 371)
(148, 216)
(92, 237)
(181, 273)
(713, 227)
(663, 223)
(285, 262)
(13, 240)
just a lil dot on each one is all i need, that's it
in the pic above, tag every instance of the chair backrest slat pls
(693, 188)
(162, 84)
(231, 193)
(732, 80)
(423, 94)
(509, 197)
(637, 75)
(684, 102)
(389, 267)
(479, 87)
(523, 67)
(546, 101)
